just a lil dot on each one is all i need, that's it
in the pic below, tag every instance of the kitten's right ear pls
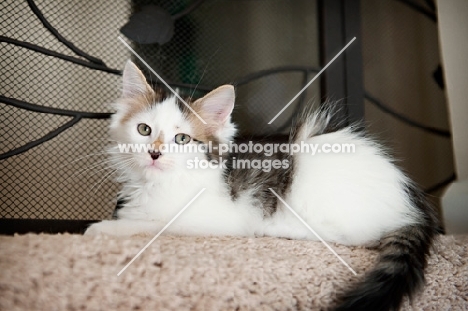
(134, 82)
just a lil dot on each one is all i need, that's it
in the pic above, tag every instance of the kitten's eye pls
(144, 129)
(182, 139)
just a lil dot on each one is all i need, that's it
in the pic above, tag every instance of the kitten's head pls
(147, 118)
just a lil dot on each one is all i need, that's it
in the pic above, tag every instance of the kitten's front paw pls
(92, 230)
(98, 228)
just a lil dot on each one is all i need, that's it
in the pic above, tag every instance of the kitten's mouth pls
(155, 155)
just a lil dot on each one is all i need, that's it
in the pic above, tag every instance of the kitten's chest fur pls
(163, 198)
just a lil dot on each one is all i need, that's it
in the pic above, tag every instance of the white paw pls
(98, 228)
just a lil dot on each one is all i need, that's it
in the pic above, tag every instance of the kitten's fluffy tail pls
(399, 271)
(328, 117)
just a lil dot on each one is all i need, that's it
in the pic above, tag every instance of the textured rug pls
(72, 272)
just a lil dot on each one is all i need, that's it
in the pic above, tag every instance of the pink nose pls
(154, 154)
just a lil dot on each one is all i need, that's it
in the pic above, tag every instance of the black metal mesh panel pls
(257, 95)
(55, 82)
(224, 41)
(61, 178)
(19, 22)
(22, 133)
(54, 98)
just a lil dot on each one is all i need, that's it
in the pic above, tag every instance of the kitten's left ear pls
(216, 107)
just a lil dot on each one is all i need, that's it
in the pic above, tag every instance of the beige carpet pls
(72, 272)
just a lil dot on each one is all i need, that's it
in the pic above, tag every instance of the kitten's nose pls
(154, 154)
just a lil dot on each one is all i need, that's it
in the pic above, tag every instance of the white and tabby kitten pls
(355, 198)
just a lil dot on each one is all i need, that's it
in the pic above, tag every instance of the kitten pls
(355, 198)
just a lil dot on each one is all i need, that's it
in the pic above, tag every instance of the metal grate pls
(226, 41)
(50, 180)
(59, 72)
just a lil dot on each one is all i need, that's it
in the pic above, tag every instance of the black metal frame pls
(10, 226)
(339, 22)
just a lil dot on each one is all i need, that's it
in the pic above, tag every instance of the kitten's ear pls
(216, 107)
(134, 82)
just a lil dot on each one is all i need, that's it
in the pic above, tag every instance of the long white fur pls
(349, 198)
